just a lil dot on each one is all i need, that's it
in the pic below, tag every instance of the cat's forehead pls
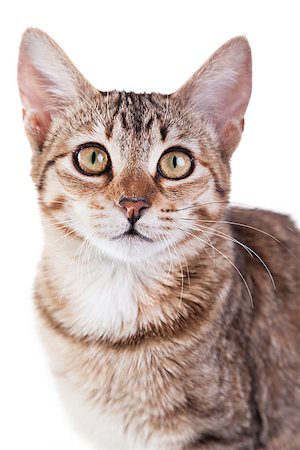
(131, 126)
(135, 106)
(136, 113)
(128, 122)
(143, 117)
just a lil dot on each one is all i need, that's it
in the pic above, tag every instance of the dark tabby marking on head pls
(163, 132)
(149, 124)
(118, 105)
(124, 120)
(48, 166)
(56, 204)
(109, 129)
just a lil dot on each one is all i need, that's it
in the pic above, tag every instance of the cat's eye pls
(175, 164)
(91, 159)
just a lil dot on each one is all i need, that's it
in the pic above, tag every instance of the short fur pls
(186, 340)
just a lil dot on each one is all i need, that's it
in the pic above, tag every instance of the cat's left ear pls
(48, 83)
(220, 91)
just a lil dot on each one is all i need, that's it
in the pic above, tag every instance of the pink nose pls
(133, 208)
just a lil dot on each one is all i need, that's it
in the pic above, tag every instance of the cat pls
(171, 318)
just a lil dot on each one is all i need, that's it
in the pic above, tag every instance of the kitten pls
(171, 319)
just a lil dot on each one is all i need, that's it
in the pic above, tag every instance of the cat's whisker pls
(230, 262)
(164, 238)
(73, 259)
(80, 268)
(212, 248)
(248, 249)
(182, 277)
(61, 237)
(238, 224)
(88, 260)
(186, 264)
(58, 223)
(198, 206)
(187, 268)
(85, 262)
(63, 226)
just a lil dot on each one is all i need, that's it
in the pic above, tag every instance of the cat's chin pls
(129, 247)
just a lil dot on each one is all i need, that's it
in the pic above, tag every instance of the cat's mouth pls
(132, 234)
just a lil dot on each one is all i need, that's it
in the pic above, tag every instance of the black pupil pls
(93, 157)
(174, 161)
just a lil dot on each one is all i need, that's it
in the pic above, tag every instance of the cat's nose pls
(133, 207)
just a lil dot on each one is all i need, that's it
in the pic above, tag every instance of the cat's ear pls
(220, 90)
(48, 83)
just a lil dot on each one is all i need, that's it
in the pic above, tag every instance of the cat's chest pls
(99, 298)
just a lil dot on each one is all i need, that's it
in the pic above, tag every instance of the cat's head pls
(134, 174)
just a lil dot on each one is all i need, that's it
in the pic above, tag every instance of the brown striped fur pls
(181, 340)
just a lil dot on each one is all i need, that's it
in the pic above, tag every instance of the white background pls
(131, 45)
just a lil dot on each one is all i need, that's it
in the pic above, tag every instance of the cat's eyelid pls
(90, 144)
(177, 148)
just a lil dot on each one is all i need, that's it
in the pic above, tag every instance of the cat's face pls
(127, 178)
(134, 174)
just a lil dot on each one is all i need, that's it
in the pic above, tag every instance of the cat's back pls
(267, 251)
(273, 277)
(276, 240)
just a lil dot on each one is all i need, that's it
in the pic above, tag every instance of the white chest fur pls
(102, 295)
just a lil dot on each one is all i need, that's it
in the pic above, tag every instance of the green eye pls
(175, 164)
(91, 159)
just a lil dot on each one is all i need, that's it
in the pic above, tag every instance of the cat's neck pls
(96, 296)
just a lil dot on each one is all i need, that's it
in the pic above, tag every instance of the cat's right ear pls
(220, 91)
(48, 83)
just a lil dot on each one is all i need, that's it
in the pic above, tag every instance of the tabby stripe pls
(109, 129)
(179, 327)
(135, 105)
(118, 105)
(149, 124)
(86, 186)
(163, 132)
(153, 102)
(46, 315)
(55, 205)
(47, 166)
(218, 187)
(124, 123)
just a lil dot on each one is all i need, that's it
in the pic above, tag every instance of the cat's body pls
(228, 383)
(187, 335)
